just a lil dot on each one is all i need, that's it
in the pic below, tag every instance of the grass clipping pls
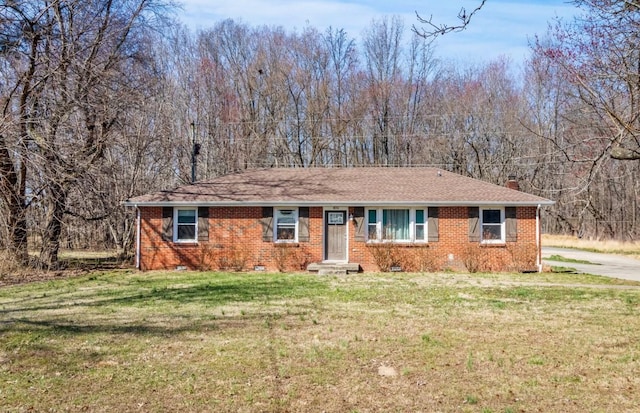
(167, 341)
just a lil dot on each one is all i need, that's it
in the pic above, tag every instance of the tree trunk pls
(51, 236)
(13, 193)
(18, 233)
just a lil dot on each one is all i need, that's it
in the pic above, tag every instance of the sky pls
(503, 28)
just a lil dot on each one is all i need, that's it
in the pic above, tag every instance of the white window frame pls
(295, 226)
(176, 225)
(502, 225)
(412, 225)
(373, 227)
(415, 224)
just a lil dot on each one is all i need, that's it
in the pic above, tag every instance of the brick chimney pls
(512, 183)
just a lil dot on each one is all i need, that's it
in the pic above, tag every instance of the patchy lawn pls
(185, 341)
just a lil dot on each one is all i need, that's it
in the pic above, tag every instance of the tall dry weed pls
(631, 248)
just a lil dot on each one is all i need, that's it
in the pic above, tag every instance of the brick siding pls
(235, 243)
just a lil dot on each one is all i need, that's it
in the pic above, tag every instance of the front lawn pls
(186, 341)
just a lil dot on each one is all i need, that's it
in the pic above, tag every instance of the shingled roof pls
(340, 186)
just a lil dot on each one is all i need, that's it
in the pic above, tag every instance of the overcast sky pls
(501, 28)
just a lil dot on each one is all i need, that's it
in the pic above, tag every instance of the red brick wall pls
(235, 242)
(453, 249)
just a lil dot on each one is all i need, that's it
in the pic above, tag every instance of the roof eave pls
(541, 202)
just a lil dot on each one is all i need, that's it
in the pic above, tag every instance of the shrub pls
(425, 260)
(387, 255)
(301, 258)
(291, 257)
(232, 258)
(205, 257)
(473, 258)
(282, 254)
(523, 257)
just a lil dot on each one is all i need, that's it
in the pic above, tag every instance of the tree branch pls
(434, 30)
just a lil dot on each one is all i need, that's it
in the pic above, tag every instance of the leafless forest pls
(104, 99)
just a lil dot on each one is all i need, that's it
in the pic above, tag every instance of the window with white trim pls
(372, 225)
(286, 225)
(492, 225)
(420, 225)
(186, 225)
(396, 224)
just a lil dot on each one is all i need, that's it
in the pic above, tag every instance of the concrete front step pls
(330, 268)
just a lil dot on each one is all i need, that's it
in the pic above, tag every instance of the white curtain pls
(395, 224)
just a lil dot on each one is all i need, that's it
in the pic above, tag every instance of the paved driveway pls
(616, 266)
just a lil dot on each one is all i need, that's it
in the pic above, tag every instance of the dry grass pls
(87, 254)
(365, 343)
(7, 265)
(610, 246)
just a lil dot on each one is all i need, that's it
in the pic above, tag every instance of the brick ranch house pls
(366, 219)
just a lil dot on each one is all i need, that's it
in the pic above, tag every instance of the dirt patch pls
(386, 371)
(32, 275)
(72, 264)
(25, 277)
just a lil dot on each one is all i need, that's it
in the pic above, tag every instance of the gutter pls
(412, 203)
(137, 237)
(538, 242)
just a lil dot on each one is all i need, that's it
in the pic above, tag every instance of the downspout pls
(137, 237)
(538, 243)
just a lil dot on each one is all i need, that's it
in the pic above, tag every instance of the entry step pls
(326, 268)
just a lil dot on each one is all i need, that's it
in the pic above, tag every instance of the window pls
(403, 225)
(286, 225)
(420, 224)
(372, 225)
(186, 229)
(395, 224)
(492, 225)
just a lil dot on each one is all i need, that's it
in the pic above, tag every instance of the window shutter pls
(432, 224)
(267, 224)
(358, 219)
(303, 224)
(511, 224)
(474, 224)
(167, 223)
(203, 224)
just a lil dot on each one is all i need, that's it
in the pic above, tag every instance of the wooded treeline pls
(103, 100)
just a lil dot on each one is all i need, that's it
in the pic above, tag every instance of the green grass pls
(563, 270)
(560, 258)
(190, 341)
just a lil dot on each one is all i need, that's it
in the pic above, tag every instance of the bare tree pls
(342, 68)
(599, 54)
(383, 54)
(72, 80)
(584, 98)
